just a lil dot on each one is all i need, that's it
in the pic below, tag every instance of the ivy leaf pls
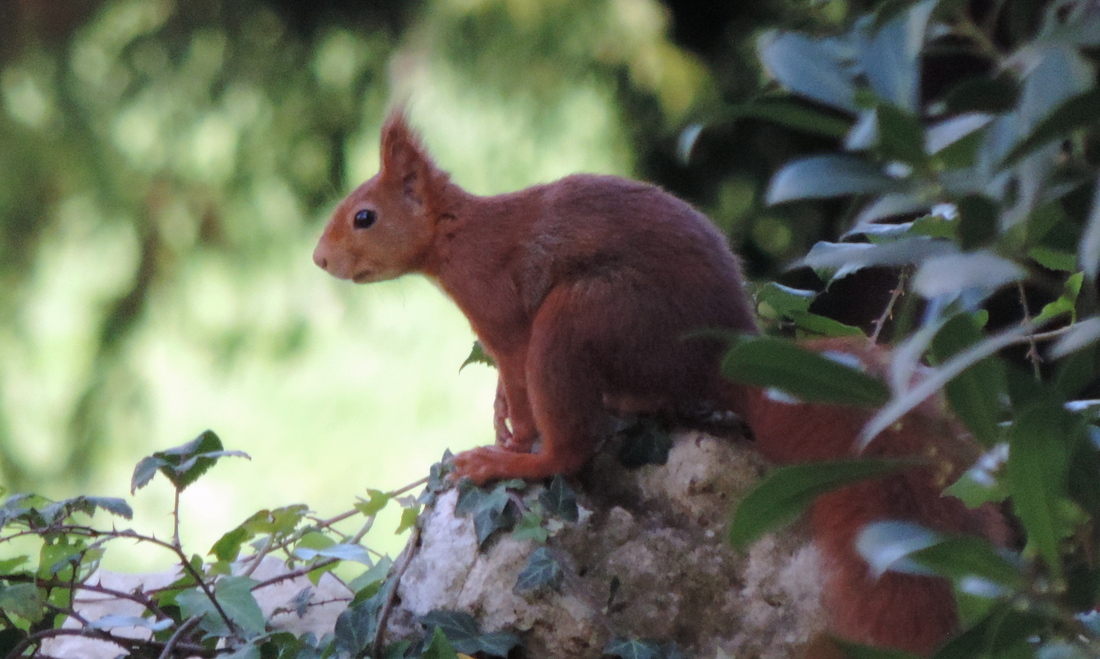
(646, 442)
(806, 375)
(493, 513)
(460, 630)
(355, 628)
(530, 527)
(629, 648)
(542, 571)
(559, 499)
(439, 648)
(829, 175)
(786, 492)
(375, 504)
(478, 356)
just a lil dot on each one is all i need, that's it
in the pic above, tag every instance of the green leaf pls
(788, 111)
(530, 527)
(1076, 112)
(629, 648)
(493, 513)
(236, 599)
(1053, 259)
(343, 552)
(194, 603)
(809, 376)
(787, 491)
(809, 67)
(977, 221)
(1065, 304)
(900, 135)
(459, 627)
(409, 517)
(911, 548)
(981, 483)
(355, 628)
(987, 95)
(784, 300)
(375, 504)
(478, 356)
(439, 648)
(976, 394)
(822, 325)
(115, 506)
(829, 175)
(1038, 465)
(185, 464)
(542, 571)
(228, 547)
(560, 500)
(644, 443)
(23, 600)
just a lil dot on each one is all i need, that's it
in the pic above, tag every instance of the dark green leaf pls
(498, 644)
(827, 377)
(355, 628)
(560, 500)
(185, 464)
(976, 394)
(900, 135)
(783, 300)
(977, 221)
(629, 648)
(478, 356)
(787, 491)
(493, 513)
(646, 442)
(986, 95)
(458, 627)
(788, 111)
(1076, 112)
(1002, 633)
(117, 507)
(542, 571)
(1038, 465)
(409, 517)
(194, 603)
(829, 175)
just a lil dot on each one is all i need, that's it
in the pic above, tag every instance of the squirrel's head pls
(385, 227)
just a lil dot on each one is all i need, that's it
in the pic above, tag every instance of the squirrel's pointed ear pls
(403, 158)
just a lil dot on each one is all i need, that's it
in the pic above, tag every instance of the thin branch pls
(888, 312)
(384, 615)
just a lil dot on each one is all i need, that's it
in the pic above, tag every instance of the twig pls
(186, 627)
(1032, 351)
(391, 597)
(888, 312)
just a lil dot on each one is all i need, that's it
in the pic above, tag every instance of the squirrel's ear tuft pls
(403, 156)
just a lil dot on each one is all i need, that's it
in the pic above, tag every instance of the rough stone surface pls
(647, 560)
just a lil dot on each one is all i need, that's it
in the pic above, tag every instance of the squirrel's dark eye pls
(364, 219)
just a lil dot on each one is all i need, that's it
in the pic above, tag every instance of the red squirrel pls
(589, 294)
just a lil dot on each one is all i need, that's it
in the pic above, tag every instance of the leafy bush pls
(988, 184)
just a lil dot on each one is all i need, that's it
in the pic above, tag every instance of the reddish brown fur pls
(585, 292)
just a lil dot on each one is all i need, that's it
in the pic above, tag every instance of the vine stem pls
(391, 597)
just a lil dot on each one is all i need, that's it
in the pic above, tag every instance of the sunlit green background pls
(165, 168)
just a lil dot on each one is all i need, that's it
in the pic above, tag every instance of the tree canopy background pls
(165, 168)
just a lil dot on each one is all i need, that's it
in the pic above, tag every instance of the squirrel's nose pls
(320, 259)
